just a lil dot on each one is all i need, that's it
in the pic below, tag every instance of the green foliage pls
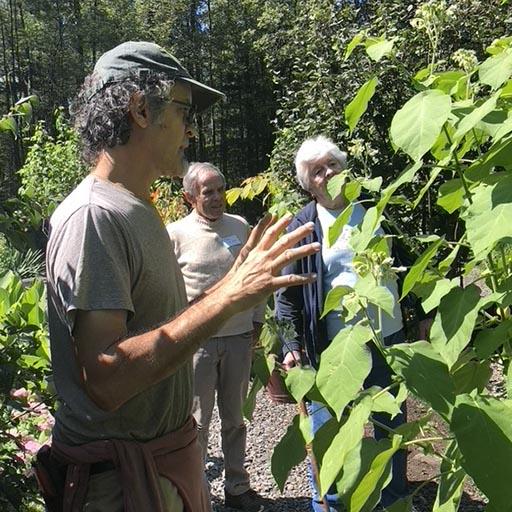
(168, 200)
(52, 167)
(452, 126)
(26, 265)
(26, 401)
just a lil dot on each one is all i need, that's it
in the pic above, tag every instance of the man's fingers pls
(259, 230)
(272, 232)
(294, 254)
(292, 280)
(291, 239)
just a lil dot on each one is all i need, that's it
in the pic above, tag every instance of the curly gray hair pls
(102, 119)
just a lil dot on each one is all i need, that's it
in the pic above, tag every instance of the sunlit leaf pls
(488, 217)
(299, 381)
(475, 116)
(496, 70)
(454, 322)
(376, 48)
(357, 107)
(348, 437)
(416, 126)
(356, 41)
(370, 481)
(419, 267)
(451, 195)
(333, 299)
(346, 360)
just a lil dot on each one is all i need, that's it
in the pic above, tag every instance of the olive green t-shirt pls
(110, 250)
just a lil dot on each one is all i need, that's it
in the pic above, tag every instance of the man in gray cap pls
(122, 334)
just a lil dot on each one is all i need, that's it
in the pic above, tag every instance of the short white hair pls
(312, 149)
(194, 172)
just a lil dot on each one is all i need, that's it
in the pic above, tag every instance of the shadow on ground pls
(424, 500)
(275, 505)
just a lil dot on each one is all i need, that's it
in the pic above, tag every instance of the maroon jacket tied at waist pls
(175, 456)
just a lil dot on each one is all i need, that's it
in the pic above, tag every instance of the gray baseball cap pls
(140, 57)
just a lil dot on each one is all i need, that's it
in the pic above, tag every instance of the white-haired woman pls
(316, 162)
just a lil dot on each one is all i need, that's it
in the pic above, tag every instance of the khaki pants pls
(224, 364)
(105, 494)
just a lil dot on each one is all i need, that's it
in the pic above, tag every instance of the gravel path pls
(268, 426)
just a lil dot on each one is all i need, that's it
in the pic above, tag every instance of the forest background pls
(285, 69)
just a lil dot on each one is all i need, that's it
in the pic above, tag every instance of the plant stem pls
(458, 168)
(427, 440)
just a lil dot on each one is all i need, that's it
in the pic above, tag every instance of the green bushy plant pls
(26, 399)
(52, 167)
(453, 132)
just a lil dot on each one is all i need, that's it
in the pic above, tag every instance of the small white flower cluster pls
(379, 264)
(358, 149)
(465, 59)
(432, 14)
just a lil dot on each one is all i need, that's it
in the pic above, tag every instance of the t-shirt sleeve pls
(92, 263)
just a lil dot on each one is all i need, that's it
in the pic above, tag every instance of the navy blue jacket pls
(302, 305)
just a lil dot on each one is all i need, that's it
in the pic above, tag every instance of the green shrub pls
(52, 167)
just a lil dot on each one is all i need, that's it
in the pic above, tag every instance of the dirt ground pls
(422, 467)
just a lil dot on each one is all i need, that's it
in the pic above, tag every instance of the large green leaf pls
(483, 429)
(357, 107)
(489, 340)
(494, 124)
(488, 218)
(433, 291)
(299, 381)
(338, 225)
(498, 155)
(361, 238)
(346, 360)
(471, 375)
(356, 41)
(8, 123)
(496, 70)
(416, 126)
(333, 299)
(378, 47)
(454, 322)
(348, 437)
(504, 128)
(380, 296)
(451, 195)
(370, 481)
(357, 464)
(451, 481)
(407, 176)
(425, 374)
(419, 267)
(288, 453)
(335, 184)
(384, 401)
(475, 116)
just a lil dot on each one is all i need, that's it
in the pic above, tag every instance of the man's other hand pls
(291, 360)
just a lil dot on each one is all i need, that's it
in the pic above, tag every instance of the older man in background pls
(206, 244)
